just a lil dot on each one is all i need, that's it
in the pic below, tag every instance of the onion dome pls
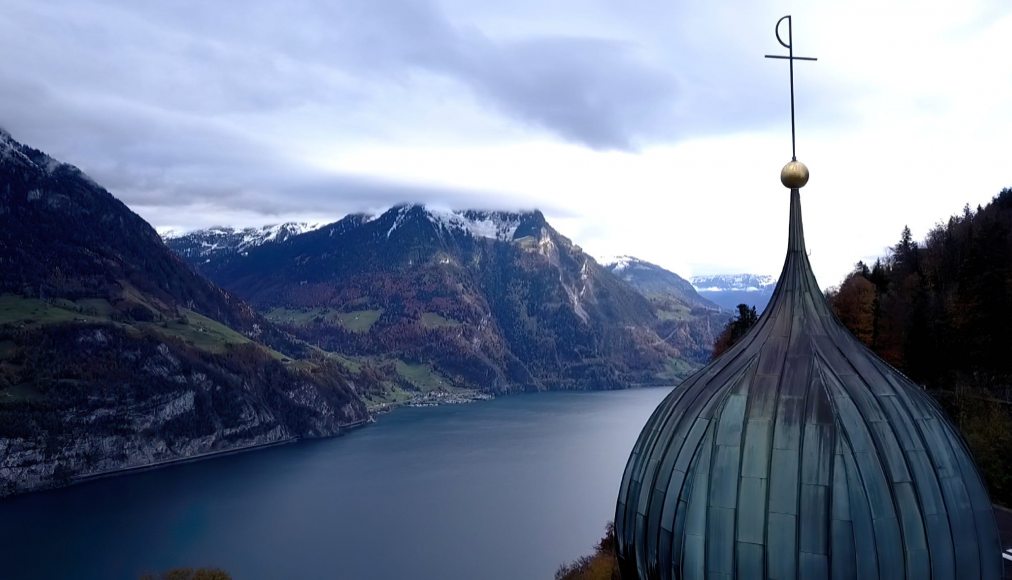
(800, 454)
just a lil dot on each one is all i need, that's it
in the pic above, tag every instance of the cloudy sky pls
(645, 127)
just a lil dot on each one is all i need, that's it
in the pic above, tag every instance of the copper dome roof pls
(799, 453)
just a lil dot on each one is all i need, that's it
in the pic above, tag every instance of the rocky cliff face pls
(92, 399)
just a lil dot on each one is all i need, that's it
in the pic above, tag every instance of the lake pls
(503, 489)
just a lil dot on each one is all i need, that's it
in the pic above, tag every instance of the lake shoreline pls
(459, 398)
(425, 401)
(543, 469)
(110, 473)
(343, 429)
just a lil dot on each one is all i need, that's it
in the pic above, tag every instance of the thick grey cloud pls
(587, 90)
(206, 58)
(175, 103)
(627, 117)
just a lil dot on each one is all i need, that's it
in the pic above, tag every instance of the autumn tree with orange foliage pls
(854, 303)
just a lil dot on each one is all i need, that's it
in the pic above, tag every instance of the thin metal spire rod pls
(790, 58)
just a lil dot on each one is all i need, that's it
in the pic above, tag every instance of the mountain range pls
(730, 290)
(489, 298)
(121, 350)
(222, 240)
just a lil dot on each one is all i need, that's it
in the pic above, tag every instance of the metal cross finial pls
(789, 45)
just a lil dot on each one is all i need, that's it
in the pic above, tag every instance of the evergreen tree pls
(735, 329)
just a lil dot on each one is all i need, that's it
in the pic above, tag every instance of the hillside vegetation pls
(600, 565)
(115, 354)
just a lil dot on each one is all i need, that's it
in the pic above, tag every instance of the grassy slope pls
(192, 328)
(671, 311)
(355, 321)
(421, 376)
(409, 381)
(16, 309)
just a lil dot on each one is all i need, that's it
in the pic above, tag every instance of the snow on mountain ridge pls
(486, 227)
(11, 149)
(252, 237)
(618, 263)
(479, 224)
(733, 282)
(227, 239)
(8, 145)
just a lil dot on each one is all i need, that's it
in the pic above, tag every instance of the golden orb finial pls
(794, 175)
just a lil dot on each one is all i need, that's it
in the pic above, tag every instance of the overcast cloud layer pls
(645, 127)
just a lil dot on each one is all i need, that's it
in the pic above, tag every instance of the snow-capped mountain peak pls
(494, 225)
(619, 263)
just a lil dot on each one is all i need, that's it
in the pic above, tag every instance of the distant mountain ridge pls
(652, 279)
(686, 318)
(492, 298)
(729, 290)
(742, 282)
(225, 240)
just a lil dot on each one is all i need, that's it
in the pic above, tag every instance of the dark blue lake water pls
(504, 489)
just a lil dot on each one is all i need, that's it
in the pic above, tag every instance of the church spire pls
(795, 174)
(798, 453)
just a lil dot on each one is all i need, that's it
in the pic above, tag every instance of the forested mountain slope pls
(114, 353)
